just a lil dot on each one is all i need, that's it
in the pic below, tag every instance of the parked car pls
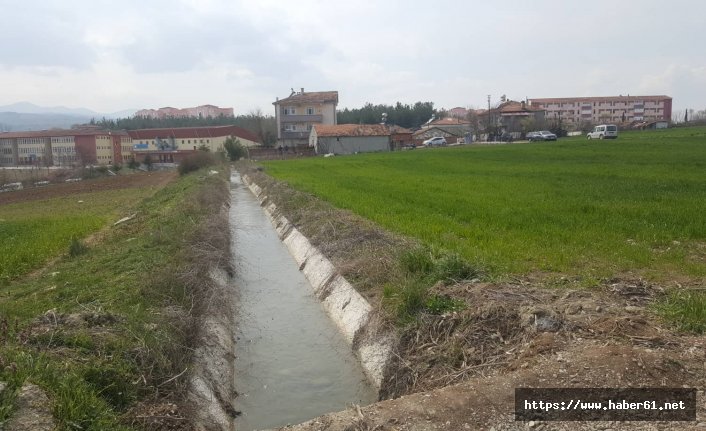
(604, 131)
(542, 135)
(506, 137)
(437, 141)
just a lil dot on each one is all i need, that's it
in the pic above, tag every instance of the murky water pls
(292, 364)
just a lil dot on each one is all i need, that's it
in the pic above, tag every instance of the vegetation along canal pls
(291, 362)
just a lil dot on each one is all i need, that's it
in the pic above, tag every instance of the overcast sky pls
(109, 55)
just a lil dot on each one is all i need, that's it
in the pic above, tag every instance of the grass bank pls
(109, 333)
(574, 206)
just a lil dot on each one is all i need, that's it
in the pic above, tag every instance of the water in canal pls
(291, 362)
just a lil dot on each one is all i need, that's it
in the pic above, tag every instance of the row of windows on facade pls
(63, 149)
(291, 110)
(294, 128)
(608, 115)
(610, 111)
(31, 150)
(188, 141)
(585, 105)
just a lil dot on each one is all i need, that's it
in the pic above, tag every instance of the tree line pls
(408, 116)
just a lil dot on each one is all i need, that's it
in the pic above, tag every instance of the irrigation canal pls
(291, 363)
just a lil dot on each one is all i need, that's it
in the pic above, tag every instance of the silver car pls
(437, 141)
(542, 135)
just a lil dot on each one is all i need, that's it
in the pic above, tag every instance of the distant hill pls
(17, 122)
(28, 116)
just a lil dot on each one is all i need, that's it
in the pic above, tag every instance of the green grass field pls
(589, 208)
(33, 232)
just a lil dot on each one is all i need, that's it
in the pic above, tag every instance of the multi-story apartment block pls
(613, 109)
(297, 114)
(61, 147)
(203, 111)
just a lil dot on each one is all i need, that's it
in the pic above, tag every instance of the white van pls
(604, 131)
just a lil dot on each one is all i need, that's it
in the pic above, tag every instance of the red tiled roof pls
(310, 97)
(455, 131)
(512, 106)
(399, 130)
(194, 133)
(598, 99)
(352, 130)
(449, 121)
(59, 132)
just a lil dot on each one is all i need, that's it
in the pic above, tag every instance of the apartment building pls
(203, 111)
(75, 147)
(612, 109)
(297, 114)
(61, 147)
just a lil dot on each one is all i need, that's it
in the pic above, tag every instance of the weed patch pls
(77, 248)
(685, 309)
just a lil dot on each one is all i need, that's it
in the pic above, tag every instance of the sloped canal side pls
(292, 364)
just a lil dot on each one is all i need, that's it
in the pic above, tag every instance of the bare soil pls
(141, 179)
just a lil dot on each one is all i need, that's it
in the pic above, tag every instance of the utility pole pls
(489, 119)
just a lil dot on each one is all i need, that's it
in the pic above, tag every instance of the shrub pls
(77, 248)
(196, 161)
(234, 148)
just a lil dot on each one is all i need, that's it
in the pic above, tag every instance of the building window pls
(289, 110)
(289, 128)
(309, 111)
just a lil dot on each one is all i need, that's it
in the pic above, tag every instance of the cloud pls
(244, 53)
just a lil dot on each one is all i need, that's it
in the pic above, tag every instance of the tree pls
(528, 124)
(148, 162)
(408, 116)
(234, 149)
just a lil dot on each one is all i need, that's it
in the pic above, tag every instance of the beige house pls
(297, 115)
